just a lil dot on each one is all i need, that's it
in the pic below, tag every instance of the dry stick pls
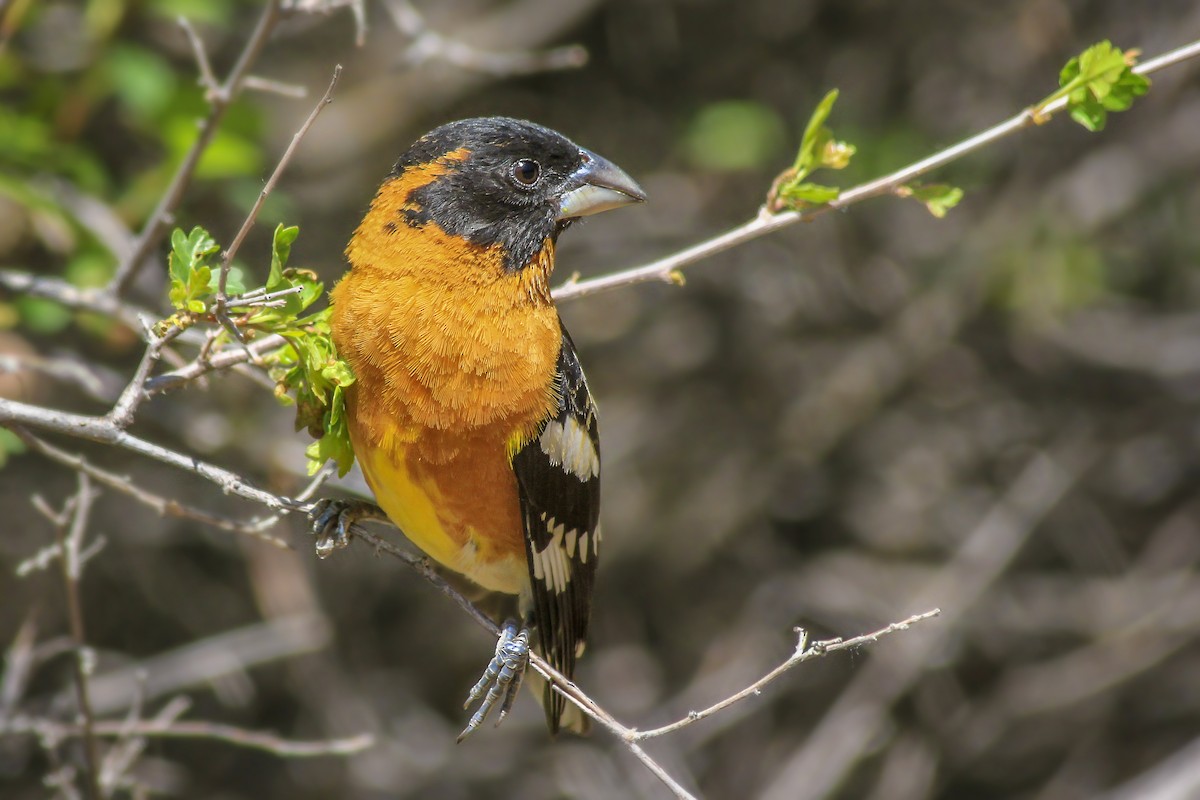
(248, 223)
(219, 100)
(258, 740)
(69, 542)
(804, 652)
(666, 269)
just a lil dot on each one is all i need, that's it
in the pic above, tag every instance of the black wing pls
(558, 473)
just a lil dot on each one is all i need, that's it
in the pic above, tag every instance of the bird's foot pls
(331, 521)
(501, 678)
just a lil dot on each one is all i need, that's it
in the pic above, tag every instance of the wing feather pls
(558, 474)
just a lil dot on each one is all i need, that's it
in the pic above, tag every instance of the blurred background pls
(835, 427)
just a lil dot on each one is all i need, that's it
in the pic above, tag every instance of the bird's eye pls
(526, 172)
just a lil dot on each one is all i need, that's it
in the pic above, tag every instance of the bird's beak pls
(599, 185)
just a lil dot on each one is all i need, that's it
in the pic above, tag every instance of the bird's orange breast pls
(454, 359)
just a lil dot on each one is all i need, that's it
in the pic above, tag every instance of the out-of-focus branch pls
(666, 269)
(72, 296)
(220, 98)
(69, 531)
(256, 528)
(428, 45)
(230, 734)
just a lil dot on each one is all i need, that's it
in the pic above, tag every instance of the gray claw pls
(502, 678)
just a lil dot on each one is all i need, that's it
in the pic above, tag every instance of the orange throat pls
(454, 358)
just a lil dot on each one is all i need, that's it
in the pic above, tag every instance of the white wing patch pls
(550, 564)
(568, 445)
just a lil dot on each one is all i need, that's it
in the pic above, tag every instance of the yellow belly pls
(462, 512)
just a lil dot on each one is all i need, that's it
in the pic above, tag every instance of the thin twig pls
(219, 101)
(208, 78)
(127, 404)
(259, 84)
(225, 359)
(220, 305)
(667, 269)
(70, 541)
(256, 528)
(803, 652)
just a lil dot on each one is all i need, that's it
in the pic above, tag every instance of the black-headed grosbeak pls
(470, 415)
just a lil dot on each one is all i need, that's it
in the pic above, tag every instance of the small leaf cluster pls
(194, 276)
(306, 369)
(1097, 81)
(818, 150)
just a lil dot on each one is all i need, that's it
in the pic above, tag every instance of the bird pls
(470, 415)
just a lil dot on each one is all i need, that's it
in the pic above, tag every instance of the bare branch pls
(666, 270)
(804, 652)
(225, 359)
(227, 258)
(127, 404)
(72, 296)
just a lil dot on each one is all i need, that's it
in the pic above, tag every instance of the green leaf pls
(816, 136)
(818, 150)
(812, 193)
(1098, 81)
(10, 445)
(281, 250)
(937, 197)
(191, 276)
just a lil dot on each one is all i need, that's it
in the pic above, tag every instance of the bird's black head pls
(509, 182)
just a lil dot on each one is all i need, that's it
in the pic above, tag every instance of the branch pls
(102, 430)
(256, 528)
(220, 98)
(227, 259)
(667, 269)
(257, 740)
(804, 652)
